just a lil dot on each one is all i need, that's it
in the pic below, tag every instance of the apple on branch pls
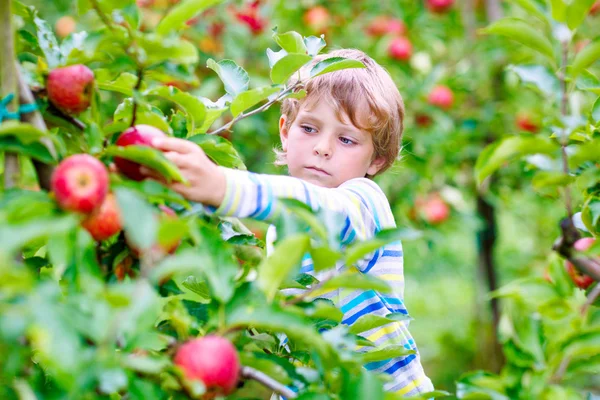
(80, 183)
(70, 88)
(141, 135)
(213, 360)
(580, 280)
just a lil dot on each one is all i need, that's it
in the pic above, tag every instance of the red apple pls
(423, 120)
(525, 123)
(400, 49)
(433, 209)
(441, 96)
(144, 3)
(251, 18)
(140, 135)
(105, 221)
(70, 88)
(595, 9)
(384, 25)
(213, 360)
(580, 280)
(80, 183)
(317, 18)
(439, 6)
(65, 26)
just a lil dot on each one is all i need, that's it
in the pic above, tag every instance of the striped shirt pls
(366, 211)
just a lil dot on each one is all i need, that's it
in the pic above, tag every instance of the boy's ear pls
(375, 166)
(283, 132)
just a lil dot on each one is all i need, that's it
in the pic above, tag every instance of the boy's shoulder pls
(364, 187)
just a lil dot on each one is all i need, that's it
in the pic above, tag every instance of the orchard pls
(113, 285)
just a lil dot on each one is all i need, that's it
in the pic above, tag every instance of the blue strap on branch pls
(23, 108)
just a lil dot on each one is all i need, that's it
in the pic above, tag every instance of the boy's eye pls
(308, 129)
(346, 140)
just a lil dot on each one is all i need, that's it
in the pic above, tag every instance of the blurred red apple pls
(80, 183)
(317, 18)
(384, 25)
(439, 6)
(441, 96)
(400, 49)
(105, 221)
(526, 123)
(65, 26)
(580, 280)
(595, 9)
(141, 135)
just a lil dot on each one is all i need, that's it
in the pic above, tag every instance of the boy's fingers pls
(152, 174)
(174, 144)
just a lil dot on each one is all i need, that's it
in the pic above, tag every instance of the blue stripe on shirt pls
(403, 362)
(357, 300)
(392, 253)
(370, 308)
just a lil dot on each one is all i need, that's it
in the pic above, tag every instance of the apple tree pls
(113, 286)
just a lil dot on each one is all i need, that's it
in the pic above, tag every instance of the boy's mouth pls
(318, 170)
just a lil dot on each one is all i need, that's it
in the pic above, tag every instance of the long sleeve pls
(360, 201)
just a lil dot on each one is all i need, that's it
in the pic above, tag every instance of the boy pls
(345, 131)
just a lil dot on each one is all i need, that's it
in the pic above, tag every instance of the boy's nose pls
(322, 149)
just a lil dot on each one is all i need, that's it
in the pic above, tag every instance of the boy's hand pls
(206, 180)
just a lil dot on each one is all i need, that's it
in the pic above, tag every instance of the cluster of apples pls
(80, 183)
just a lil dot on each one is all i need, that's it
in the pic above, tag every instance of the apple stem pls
(8, 84)
(267, 381)
(70, 119)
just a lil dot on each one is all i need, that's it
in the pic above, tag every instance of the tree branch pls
(69, 118)
(591, 298)
(258, 110)
(137, 87)
(267, 381)
(8, 84)
(43, 171)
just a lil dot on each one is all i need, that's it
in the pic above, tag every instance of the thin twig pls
(308, 292)
(591, 298)
(137, 87)
(562, 369)
(256, 111)
(102, 15)
(267, 381)
(565, 136)
(69, 118)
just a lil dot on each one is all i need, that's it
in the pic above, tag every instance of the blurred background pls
(459, 97)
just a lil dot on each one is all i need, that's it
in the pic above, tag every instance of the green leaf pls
(588, 82)
(275, 56)
(47, 42)
(34, 150)
(149, 157)
(219, 150)
(540, 76)
(26, 133)
(522, 32)
(532, 8)
(532, 291)
(577, 11)
(481, 385)
(361, 386)
(178, 15)
(194, 108)
(587, 151)
(291, 42)
(591, 213)
(559, 10)
(334, 64)
(423, 396)
(386, 353)
(13, 237)
(586, 57)
(212, 113)
(496, 154)
(370, 321)
(361, 248)
(355, 280)
(124, 83)
(314, 45)
(234, 78)
(160, 49)
(140, 219)
(287, 66)
(250, 98)
(582, 344)
(286, 258)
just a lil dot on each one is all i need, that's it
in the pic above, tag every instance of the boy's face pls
(324, 150)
